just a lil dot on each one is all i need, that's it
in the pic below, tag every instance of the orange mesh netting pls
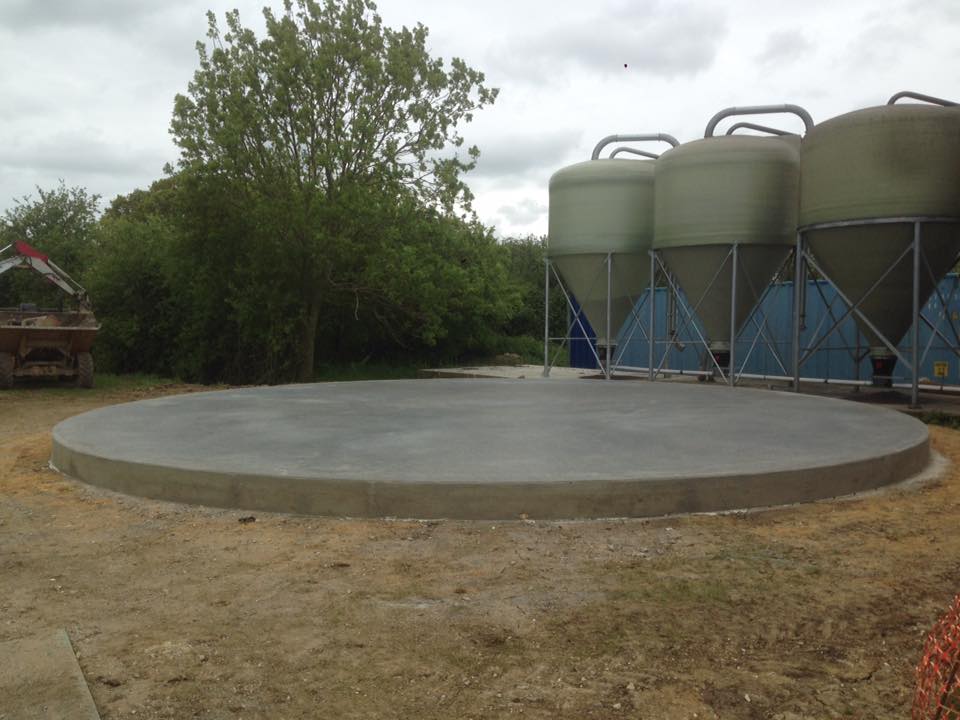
(938, 674)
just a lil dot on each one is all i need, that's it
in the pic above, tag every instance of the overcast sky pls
(87, 86)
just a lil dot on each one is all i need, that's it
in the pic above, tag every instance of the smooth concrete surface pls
(491, 449)
(40, 679)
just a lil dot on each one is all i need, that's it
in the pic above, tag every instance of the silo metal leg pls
(652, 336)
(609, 309)
(731, 372)
(798, 281)
(915, 335)
(546, 317)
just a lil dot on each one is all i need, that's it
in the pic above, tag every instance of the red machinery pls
(45, 343)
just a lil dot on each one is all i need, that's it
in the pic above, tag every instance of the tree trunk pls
(308, 341)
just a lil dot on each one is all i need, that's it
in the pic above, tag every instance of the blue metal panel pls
(582, 347)
(834, 360)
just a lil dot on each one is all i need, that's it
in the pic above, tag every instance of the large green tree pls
(309, 124)
(131, 282)
(524, 259)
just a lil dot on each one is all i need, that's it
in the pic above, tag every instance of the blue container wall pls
(832, 361)
(582, 346)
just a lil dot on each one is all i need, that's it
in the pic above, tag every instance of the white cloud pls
(88, 85)
(523, 213)
(34, 14)
(77, 151)
(667, 39)
(512, 156)
(784, 46)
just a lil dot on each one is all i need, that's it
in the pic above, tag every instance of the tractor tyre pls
(85, 370)
(6, 371)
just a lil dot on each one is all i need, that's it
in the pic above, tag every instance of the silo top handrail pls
(920, 96)
(755, 126)
(655, 137)
(634, 151)
(759, 110)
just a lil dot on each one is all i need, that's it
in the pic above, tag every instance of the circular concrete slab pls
(491, 449)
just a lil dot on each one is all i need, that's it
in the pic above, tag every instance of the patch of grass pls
(104, 383)
(108, 382)
(941, 419)
(675, 591)
(364, 371)
(773, 556)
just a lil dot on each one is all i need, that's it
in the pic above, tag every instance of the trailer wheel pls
(85, 370)
(6, 371)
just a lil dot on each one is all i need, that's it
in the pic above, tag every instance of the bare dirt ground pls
(817, 611)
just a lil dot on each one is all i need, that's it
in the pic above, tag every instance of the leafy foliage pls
(131, 285)
(185, 284)
(308, 124)
(313, 220)
(525, 266)
(61, 223)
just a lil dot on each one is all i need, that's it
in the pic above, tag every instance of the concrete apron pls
(491, 449)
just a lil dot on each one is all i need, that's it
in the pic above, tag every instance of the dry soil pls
(816, 611)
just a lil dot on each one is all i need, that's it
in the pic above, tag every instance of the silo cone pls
(717, 192)
(585, 275)
(892, 161)
(596, 208)
(694, 267)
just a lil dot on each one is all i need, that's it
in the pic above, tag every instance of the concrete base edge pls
(490, 500)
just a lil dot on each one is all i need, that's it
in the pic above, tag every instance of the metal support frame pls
(855, 353)
(636, 306)
(547, 363)
(760, 319)
(610, 361)
(952, 345)
(652, 289)
(606, 365)
(799, 306)
(730, 375)
(804, 258)
(690, 314)
(546, 317)
(734, 257)
(915, 337)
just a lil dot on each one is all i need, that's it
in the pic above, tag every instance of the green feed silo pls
(726, 200)
(889, 163)
(598, 209)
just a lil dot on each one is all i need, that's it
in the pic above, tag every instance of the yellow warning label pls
(941, 368)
